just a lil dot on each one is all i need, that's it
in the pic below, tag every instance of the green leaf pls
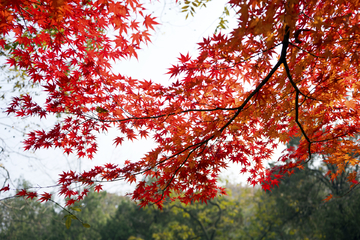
(76, 209)
(68, 222)
(86, 225)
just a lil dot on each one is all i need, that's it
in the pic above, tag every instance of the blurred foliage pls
(189, 8)
(22, 219)
(26, 219)
(213, 220)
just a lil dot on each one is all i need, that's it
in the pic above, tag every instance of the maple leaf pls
(275, 182)
(45, 197)
(131, 135)
(144, 133)
(70, 202)
(68, 151)
(4, 189)
(118, 140)
(21, 193)
(149, 22)
(330, 196)
(31, 195)
(98, 188)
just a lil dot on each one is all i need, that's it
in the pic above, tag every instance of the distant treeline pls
(295, 210)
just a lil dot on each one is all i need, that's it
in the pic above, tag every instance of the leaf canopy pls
(289, 69)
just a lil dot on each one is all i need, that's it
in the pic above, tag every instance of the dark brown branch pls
(257, 89)
(299, 124)
(297, 92)
(282, 59)
(294, 84)
(177, 169)
(257, 54)
(161, 115)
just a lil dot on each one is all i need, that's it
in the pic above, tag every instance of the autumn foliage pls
(289, 69)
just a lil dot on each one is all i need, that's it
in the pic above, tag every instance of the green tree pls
(129, 221)
(218, 219)
(297, 210)
(96, 209)
(24, 219)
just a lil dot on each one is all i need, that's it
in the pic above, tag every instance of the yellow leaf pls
(234, 127)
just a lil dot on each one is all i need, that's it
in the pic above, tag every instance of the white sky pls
(175, 35)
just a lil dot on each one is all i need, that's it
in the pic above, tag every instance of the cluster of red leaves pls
(69, 55)
(44, 197)
(231, 103)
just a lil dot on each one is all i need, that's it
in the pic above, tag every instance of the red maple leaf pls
(98, 188)
(118, 140)
(45, 197)
(149, 22)
(70, 202)
(31, 195)
(21, 193)
(4, 189)
(266, 186)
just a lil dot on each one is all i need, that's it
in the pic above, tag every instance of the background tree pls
(24, 219)
(215, 220)
(176, 221)
(129, 221)
(297, 210)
